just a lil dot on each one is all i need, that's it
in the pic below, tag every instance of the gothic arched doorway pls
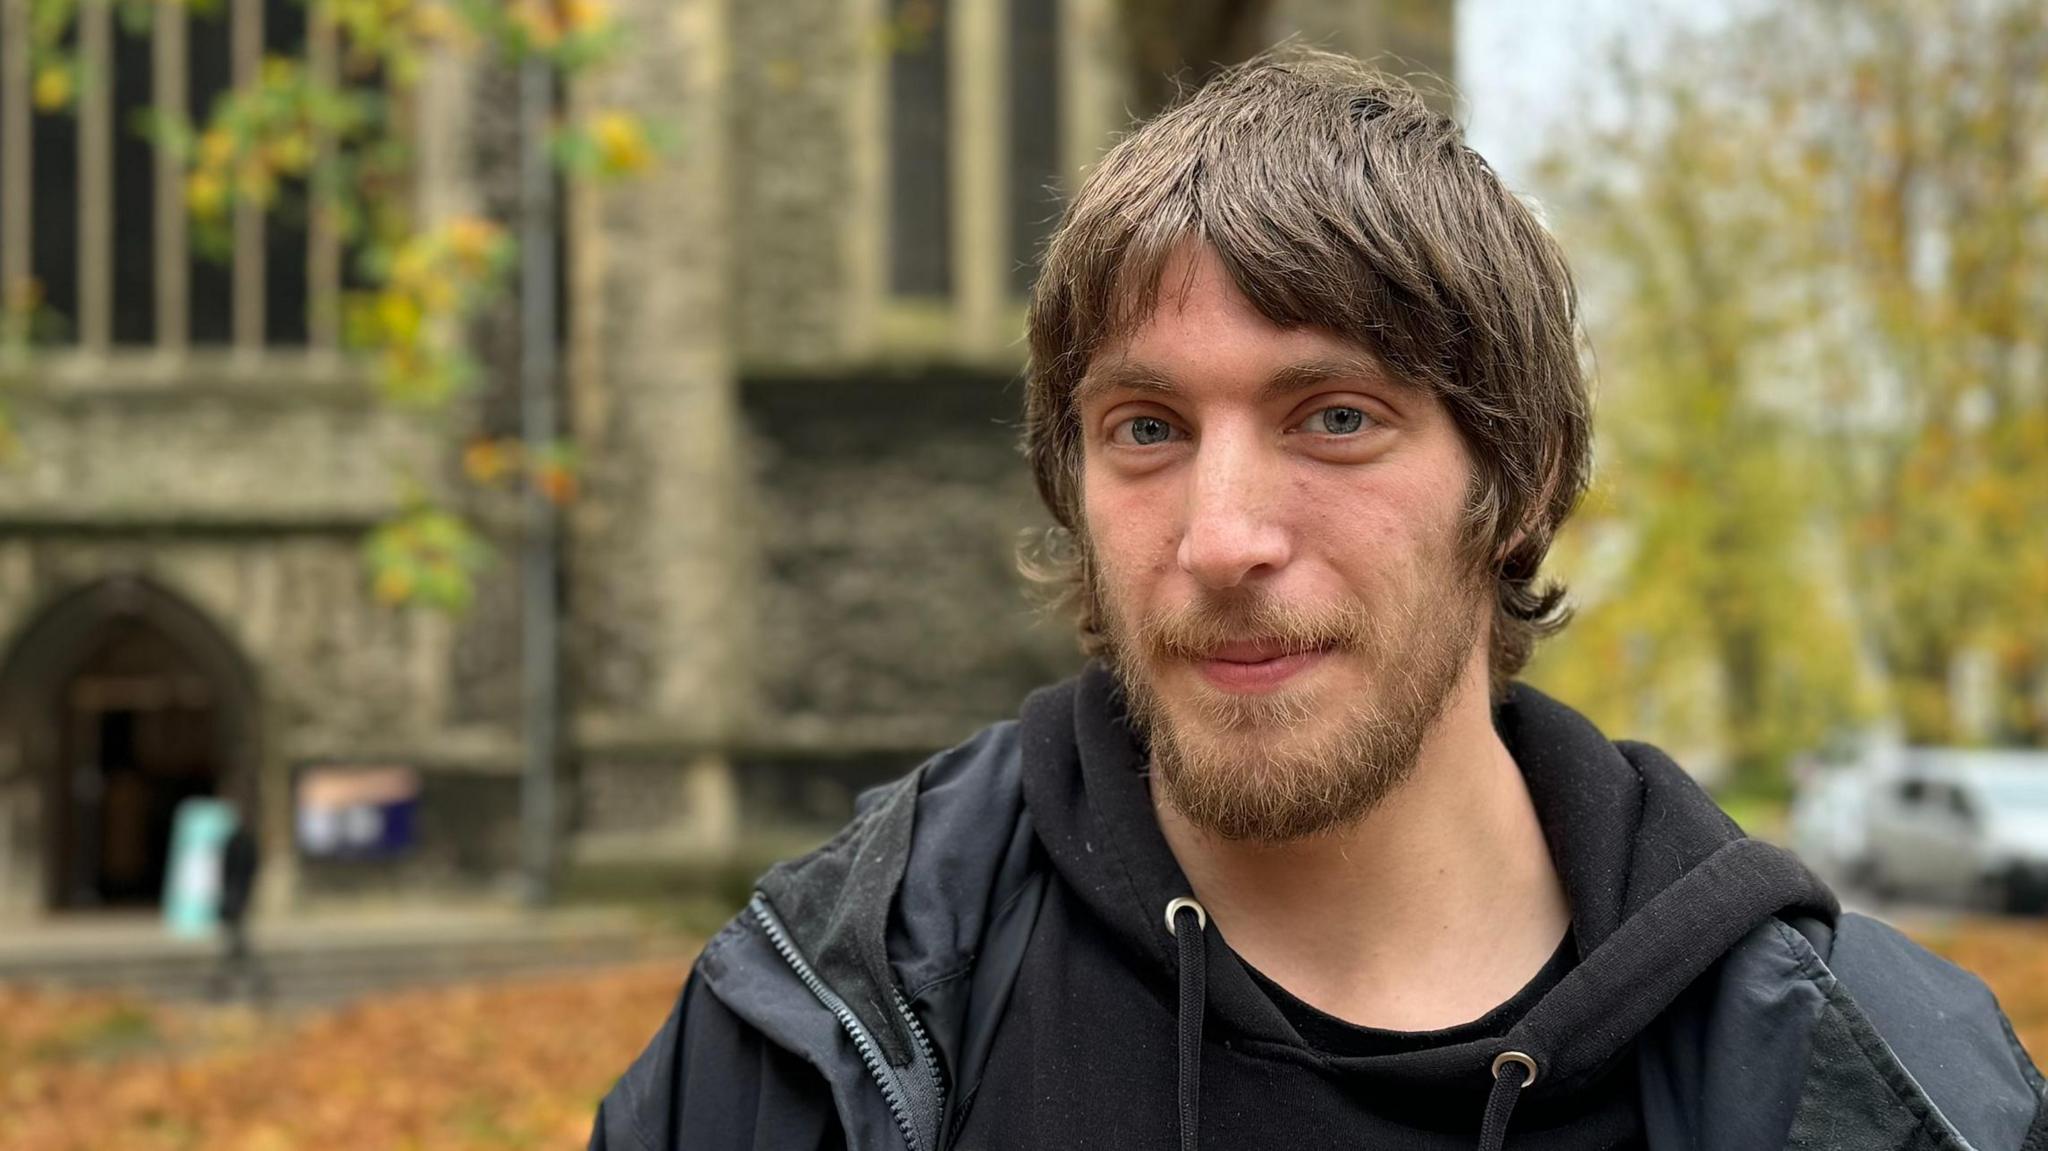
(126, 701)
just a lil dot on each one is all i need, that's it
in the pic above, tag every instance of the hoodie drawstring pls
(1194, 995)
(1512, 1071)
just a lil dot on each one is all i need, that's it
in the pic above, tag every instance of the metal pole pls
(539, 645)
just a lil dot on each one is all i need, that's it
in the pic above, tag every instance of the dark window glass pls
(285, 226)
(1034, 135)
(920, 163)
(54, 204)
(3, 143)
(208, 73)
(134, 220)
(1959, 803)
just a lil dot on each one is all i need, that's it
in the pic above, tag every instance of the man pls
(1295, 863)
(240, 861)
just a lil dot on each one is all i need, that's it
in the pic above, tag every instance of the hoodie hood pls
(1660, 882)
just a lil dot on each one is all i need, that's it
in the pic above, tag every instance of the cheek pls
(1377, 530)
(1131, 529)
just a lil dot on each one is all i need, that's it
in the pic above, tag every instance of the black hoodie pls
(982, 959)
(1097, 996)
(1097, 991)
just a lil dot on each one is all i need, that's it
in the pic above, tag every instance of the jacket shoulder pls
(837, 943)
(1838, 1035)
(709, 1080)
(1945, 1028)
(1922, 1003)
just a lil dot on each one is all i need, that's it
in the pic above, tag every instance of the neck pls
(1435, 908)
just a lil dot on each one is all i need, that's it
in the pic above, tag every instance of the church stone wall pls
(795, 67)
(221, 446)
(888, 510)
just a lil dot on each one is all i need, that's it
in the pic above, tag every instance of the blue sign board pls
(356, 811)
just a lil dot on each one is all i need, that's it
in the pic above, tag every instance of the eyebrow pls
(1147, 379)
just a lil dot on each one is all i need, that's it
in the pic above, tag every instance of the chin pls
(1260, 753)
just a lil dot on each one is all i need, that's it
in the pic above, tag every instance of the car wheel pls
(2023, 892)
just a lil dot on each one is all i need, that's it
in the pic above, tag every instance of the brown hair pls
(1336, 198)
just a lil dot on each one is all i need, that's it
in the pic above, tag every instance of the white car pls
(1961, 827)
(1829, 824)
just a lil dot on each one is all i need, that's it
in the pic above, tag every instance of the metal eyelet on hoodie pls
(1512, 1072)
(1528, 1062)
(1194, 994)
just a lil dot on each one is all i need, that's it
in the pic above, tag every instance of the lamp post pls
(540, 574)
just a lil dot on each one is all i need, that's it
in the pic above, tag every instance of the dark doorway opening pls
(140, 736)
(123, 700)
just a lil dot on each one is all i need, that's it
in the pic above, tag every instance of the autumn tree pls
(1925, 154)
(1709, 620)
(1823, 467)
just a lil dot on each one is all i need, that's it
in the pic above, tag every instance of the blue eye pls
(1338, 421)
(1148, 430)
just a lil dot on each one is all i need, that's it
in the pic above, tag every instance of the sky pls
(1525, 64)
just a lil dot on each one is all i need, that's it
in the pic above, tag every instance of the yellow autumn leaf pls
(216, 148)
(435, 22)
(394, 586)
(582, 15)
(557, 483)
(291, 152)
(205, 194)
(472, 239)
(399, 315)
(621, 143)
(53, 88)
(411, 265)
(487, 461)
(536, 23)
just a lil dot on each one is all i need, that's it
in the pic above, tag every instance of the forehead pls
(1202, 334)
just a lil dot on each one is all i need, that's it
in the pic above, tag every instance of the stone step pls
(331, 959)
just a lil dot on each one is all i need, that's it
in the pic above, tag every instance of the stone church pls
(791, 366)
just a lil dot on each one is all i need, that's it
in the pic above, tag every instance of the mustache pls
(1196, 630)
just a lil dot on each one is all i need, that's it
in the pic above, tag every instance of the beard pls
(1301, 760)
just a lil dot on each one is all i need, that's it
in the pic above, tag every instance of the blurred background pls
(481, 478)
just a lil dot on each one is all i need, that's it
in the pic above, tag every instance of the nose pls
(1231, 534)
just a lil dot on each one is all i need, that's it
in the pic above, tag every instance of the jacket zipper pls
(864, 1044)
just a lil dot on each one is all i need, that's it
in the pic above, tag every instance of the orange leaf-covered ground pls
(512, 1065)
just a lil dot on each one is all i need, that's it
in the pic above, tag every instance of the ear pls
(1514, 544)
(1532, 516)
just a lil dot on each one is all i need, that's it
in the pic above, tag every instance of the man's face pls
(1274, 522)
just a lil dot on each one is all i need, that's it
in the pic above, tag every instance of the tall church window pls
(920, 248)
(87, 214)
(1034, 107)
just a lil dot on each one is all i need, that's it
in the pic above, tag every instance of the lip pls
(1252, 668)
